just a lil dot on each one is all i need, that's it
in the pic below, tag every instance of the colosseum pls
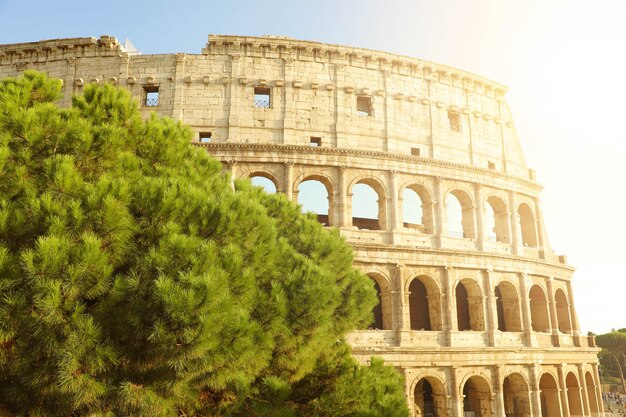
(420, 168)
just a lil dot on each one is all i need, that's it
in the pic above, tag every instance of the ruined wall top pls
(285, 47)
(45, 49)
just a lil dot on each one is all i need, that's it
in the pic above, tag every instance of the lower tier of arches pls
(504, 390)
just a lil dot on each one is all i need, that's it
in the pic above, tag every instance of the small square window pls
(315, 141)
(415, 151)
(262, 97)
(152, 96)
(491, 165)
(364, 106)
(205, 137)
(455, 121)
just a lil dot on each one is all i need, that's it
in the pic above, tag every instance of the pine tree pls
(135, 281)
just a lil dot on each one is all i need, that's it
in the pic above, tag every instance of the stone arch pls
(430, 397)
(424, 304)
(477, 397)
(591, 393)
(574, 399)
(312, 198)
(497, 220)
(539, 318)
(365, 218)
(424, 210)
(257, 177)
(549, 396)
(460, 224)
(516, 396)
(527, 225)
(469, 305)
(508, 307)
(562, 311)
(382, 311)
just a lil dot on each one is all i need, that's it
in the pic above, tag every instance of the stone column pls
(541, 240)
(490, 306)
(235, 99)
(554, 315)
(535, 391)
(178, 106)
(563, 391)
(288, 180)
(232, 169)
(515, 235)
(597, 389)
(392, 203)
(288, 102)
(440, 215)
(583, 386)
(499, 390)
(343, 204)
(450, 324)
(572, 310)
(340, 110)
(479, 211)
(457, 397)
(526, 314)
(403, 324)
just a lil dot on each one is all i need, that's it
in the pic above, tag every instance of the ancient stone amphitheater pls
(420, 168)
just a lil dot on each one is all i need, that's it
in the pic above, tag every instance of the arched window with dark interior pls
(314, 196)
(460, 216)
(508, 308)
(469, 306)
(527, 225)
(378, 308)
(540, 321)
(424, 304)
(563, 311)
(368, 205)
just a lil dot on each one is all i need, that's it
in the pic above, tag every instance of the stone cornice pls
(60, 48)
(262, 147)
(299, 49)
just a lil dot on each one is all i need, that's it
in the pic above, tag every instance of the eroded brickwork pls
(480, 321)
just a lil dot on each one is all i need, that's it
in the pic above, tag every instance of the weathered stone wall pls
(502, 336)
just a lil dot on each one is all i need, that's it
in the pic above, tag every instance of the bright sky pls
(563, 60)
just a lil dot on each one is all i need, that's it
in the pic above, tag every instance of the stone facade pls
(481, 320)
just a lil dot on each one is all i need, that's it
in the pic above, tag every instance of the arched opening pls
(527, 224)
(314, 196)
(549, 396)
(591, 393)
(265, 182)
(516, 398)
(574, 400)
(430, 398)
(368, 206)
(460, 216)
(417, 209)
(477, 398)
(508, 308)
(378, 309)
(382, 310)
(424, 304)
(540, 321)
(497, 220)
(562, 311)
(469, 306)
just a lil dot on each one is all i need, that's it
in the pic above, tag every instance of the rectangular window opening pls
(491, 165)
(315, 141)
(415, 151)
(364, 106)
(262, 97)
(455, 121)
(152, 96)
(205, 137)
